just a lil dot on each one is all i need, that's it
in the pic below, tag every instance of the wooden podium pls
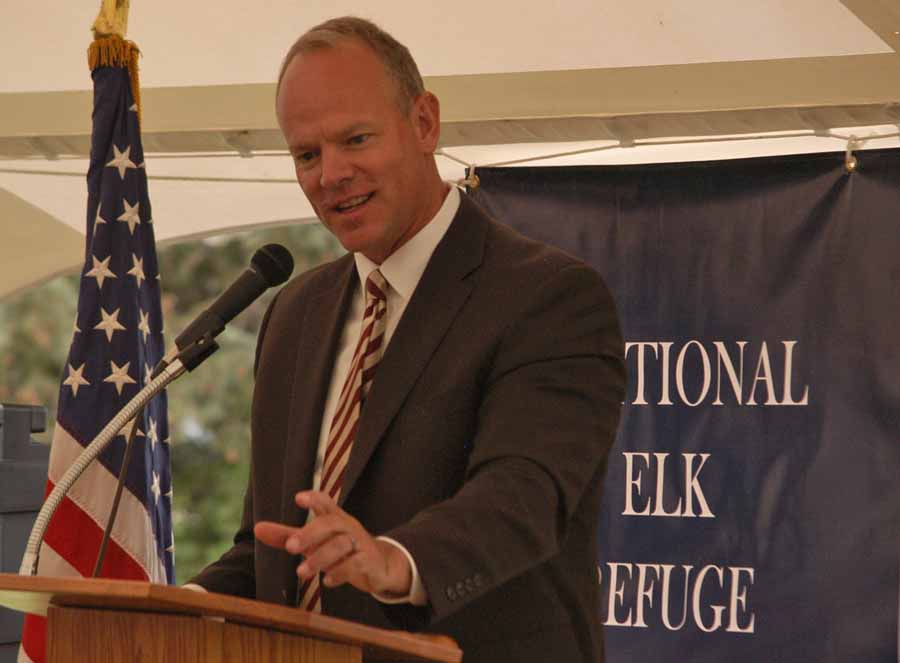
(119, 620)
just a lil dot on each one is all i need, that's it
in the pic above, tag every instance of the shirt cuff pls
(194, 587)
(417, 594)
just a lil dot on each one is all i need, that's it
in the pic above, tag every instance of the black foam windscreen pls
(274, 263)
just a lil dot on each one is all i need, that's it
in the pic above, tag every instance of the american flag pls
(117, 340)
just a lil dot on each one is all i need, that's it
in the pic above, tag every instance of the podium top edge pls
(35, 594)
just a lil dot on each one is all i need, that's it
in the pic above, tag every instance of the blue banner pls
(752, 502)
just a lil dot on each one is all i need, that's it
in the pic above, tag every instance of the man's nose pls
(335, 168)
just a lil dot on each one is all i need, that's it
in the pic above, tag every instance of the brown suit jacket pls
(482, 446)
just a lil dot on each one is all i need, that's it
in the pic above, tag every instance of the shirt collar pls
(404, 267)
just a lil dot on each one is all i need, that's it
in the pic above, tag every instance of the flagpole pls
(109, 30)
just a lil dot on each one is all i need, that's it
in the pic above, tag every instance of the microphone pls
(271, 265)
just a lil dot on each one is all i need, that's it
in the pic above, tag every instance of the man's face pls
(361, 161)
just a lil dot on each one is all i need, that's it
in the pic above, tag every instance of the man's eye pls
(358, 139)
(304, 160)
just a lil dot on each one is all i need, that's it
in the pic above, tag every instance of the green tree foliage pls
(209, 409)
(35, 332)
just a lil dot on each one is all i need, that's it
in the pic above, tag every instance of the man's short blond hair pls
(396, 58)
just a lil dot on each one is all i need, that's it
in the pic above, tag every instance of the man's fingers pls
(335, 544)
(273, 534)
(350, 570)
(330, 554)
(306, 539)
(320, 503)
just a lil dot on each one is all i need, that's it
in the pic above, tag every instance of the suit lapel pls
(438, 298)
(321, 330)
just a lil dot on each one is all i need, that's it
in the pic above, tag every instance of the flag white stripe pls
(56, 565)
(23, 657)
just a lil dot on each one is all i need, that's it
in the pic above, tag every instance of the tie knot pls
(376, 286)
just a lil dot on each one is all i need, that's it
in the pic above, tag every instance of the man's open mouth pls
(354, 203)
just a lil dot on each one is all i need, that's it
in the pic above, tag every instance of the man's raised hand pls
(337, 545)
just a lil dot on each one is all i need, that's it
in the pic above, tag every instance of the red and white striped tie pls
(346, 417)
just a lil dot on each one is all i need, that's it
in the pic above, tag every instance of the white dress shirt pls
(402, 270)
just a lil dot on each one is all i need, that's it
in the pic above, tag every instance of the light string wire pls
(853, 142)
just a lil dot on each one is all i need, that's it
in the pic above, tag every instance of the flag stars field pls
(126, 430)
(101, 270)
(99, 219)
(119, 376)
(144, 324)
(131, 215)
(137, 270)
(75, 379)
(110, 323)
(154, 488)
(121, 160)
(152, 435)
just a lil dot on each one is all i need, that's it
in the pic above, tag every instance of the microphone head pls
(274, 263)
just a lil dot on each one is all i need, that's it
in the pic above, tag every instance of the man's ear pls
(426, 117)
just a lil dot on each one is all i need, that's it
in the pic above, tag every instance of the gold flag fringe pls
(113, 51)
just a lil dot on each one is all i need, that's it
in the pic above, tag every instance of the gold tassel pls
(113, 51)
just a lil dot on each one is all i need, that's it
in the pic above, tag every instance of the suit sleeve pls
(234, 572)
(544, 428)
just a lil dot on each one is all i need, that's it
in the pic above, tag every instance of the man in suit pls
(488, 380)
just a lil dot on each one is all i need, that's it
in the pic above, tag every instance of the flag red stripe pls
(34, 637)
(75, 536)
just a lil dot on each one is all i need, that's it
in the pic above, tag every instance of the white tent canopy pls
(515, 80)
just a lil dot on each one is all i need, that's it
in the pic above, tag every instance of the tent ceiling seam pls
(853, 141)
